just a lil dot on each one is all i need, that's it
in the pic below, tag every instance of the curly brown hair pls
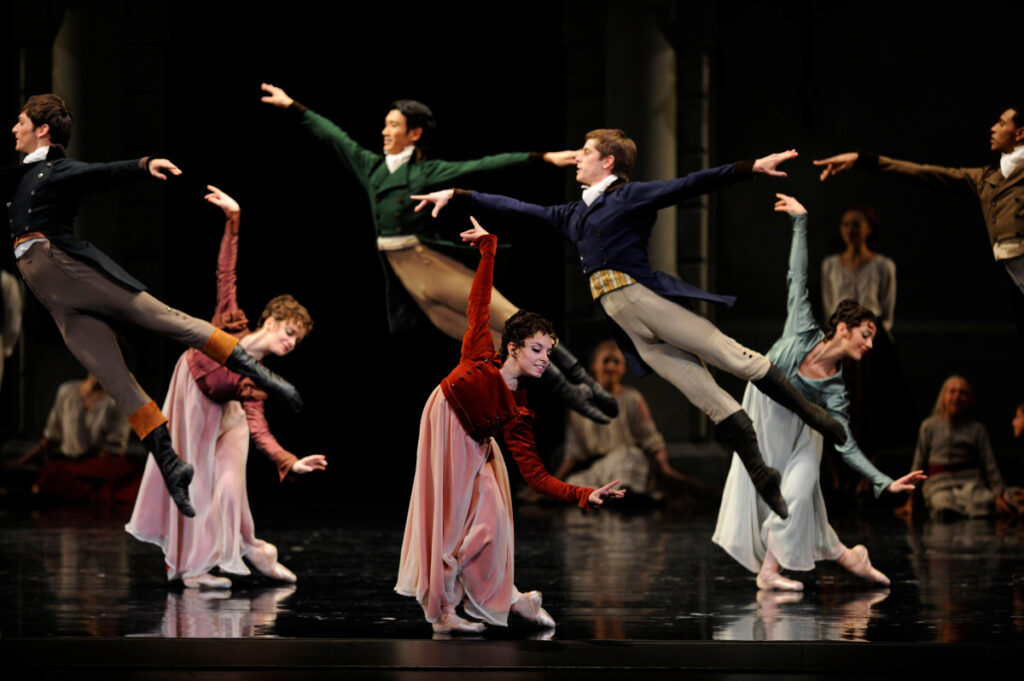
(286, 308)
(521, 326)
(851, 313)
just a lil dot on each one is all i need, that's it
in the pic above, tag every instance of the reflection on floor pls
(606, 576)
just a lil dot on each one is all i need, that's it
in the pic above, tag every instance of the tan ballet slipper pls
(856, 560)
(528, 606)
(207, 581)
(773, 581)
(264, 559)
(450, 623)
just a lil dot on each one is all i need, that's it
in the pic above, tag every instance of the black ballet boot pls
(776, 386)
(577, 375)
(577, 396)
(737, 433)
(241, 362)
(177, 473)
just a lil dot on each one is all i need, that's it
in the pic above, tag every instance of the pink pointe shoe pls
(773, 581)
(856, 561)
(207, 581)
(450, 623)
(528, 607)
(264, 559)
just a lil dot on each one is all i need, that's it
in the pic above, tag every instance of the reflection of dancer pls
(611, 227)
(408, 242)
(82, 287)
(964, 477)
(212, 412)
(998, 189)
(758, 539)
(458, 545)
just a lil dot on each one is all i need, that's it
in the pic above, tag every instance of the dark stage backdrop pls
(819, 76)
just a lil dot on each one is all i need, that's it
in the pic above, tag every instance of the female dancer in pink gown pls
(212, 413)
(458, 545)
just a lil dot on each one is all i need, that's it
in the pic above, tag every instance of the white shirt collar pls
(1010, 162)
(37, 155)
(591, 193)
(395, 161)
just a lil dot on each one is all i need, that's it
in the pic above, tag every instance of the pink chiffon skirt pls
(458, 545)
(214, 438)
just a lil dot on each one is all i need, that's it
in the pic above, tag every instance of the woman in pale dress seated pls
(458, 544)
(963, 476)
(629, 449)
(757, 538)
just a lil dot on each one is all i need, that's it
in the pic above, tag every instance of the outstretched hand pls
(440, 199)
(1005, 505)
(769, 163)
(308, 464)
(597, 497)
(837, 164)
(222, 201)
(475, 233)
(561, 159)
(906, 483)
(275, 96)
(788, 204)
(158, 166)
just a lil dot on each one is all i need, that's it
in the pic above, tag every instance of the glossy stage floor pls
(635, 594)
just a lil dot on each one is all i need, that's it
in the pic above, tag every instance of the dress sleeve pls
(554, 217)
(663, 193)
(436, 172)
(829, 296)
(641, 426)
(358, 160)
(477, 343)
(575, 444)
(923, 448)
(520, 443)
(988, 461)
(837, 403)
(228, 316)
(799, 317)
(965, 182)
(259, 430)
(887, 293)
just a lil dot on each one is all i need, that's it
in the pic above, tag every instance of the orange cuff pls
(146, 419)
(219, 345)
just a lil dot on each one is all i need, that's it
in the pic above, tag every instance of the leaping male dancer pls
(82, 287)
(611, 227)
(439, 285)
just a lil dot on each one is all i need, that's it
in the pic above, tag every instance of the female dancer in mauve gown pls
(758, 539)
(458, 545)
(212, 413)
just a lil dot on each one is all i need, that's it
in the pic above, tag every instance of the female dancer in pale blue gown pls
(758, 539)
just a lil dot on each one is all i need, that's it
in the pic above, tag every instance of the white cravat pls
(37, 155)
(1010, 162)
(395, 161)
(591, 193)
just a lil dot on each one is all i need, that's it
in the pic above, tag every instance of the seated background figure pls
(963, 477)
(629, 449)
(83, 446)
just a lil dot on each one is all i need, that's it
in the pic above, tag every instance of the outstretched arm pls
(963, 181)
(799, 315)
(836, 164)
(227, 315)
(477, 343)
(283, 460)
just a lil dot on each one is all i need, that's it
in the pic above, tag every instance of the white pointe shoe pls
(858, 563)
(264, 559)
(207, 581)
(773, 581)
(528, 607)
(450, 623)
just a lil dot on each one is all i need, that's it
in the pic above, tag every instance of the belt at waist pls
(22, 243)
(1011, 247)
(936, 468)
(397, 243)
(606, 281)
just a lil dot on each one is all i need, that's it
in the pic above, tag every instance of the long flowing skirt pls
(214, 438)
(458, 545)
(746, 526)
